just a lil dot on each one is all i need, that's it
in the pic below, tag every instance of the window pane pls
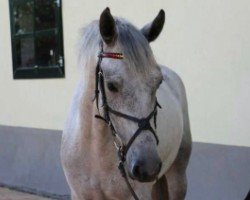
(36, 34)
(45, 14)
(46, 50)
(25, 52)
(23, 16)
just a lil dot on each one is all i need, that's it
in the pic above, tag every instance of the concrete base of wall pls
(218, 172)
(29, 161)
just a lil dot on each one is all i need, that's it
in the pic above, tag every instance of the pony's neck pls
(96, 134)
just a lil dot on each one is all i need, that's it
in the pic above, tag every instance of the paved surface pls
(7, 194)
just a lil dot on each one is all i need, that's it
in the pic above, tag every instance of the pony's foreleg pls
(160, 189)
(177, 184)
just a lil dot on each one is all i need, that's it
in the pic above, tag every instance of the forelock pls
(134, 45)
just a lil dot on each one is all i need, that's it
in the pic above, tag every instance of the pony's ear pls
(107, 27)
(152, 30)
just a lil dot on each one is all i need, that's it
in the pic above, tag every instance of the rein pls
(143, 123)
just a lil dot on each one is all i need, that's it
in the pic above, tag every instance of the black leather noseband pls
(143, 123)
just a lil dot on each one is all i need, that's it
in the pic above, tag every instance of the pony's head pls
(130, 86)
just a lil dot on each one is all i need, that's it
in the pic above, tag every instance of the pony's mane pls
(133, 44)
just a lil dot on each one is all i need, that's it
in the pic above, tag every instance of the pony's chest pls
(115, 190)
(96, 175)
(105, 186)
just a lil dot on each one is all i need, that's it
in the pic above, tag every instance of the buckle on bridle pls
(100, 73)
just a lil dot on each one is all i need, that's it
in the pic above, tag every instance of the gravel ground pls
(7, 194)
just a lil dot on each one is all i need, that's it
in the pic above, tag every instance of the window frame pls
(36, 72)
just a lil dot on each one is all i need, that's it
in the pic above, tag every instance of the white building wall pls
(206, 42)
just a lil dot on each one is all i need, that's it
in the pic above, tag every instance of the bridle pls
(143, 123)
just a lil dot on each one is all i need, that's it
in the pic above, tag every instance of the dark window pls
(37, 42)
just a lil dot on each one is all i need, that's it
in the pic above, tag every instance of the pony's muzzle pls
(145, 173)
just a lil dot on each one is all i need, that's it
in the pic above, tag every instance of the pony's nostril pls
(141, 173)
(136, 170)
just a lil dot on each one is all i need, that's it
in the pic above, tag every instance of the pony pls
(117, 101)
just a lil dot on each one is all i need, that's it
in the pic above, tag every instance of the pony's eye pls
(112, 87)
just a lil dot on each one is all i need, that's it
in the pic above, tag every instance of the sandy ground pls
(7, 194)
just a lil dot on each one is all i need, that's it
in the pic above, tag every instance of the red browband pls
(111, 55)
